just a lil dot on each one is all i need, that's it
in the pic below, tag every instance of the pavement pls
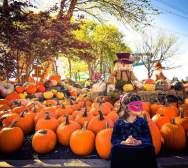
(163, 162)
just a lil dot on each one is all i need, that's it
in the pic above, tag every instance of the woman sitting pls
(131, 139)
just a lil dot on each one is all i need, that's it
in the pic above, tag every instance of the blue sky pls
(172, 20)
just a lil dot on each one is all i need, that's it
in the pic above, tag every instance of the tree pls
(158, 48)
(105, 40)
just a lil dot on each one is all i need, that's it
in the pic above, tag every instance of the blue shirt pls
(138, 129)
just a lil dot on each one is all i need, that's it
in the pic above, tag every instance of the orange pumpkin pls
(146, 106)
(4, 102)
(47, 123)
(8, 118)
(155, 107)
(18, 109)
(31, 89)
(169, 111)
(83, 117)
(44, 141)
(104, 137)
(25, 122)
(12, 96)
(183, 121)
(82, 141)
(160, 120)
(11, 139)
(65, 130)
(55, 77)
(98, 123)
(113, 115)
(41, 88)
(174, 136)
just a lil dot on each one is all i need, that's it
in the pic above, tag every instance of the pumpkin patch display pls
(44, 141)
(11, 139)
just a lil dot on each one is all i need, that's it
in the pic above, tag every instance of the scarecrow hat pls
(124, 58)
(158, 65)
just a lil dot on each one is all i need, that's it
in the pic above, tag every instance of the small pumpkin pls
(20, 89)
(59, 95)
(104, 137)
(160, 120)
(83, 117)
(174, 136)
(82, 141)
(47, 123)
(128, 88)
(11, 139)
(31, 89)
(44, 141)
(48, 95)
(55, 77)
(65, 130)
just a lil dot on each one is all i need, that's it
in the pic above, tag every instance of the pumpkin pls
(44, 141)
(85, 116)
(18, 109)
(65, 130)
(55, 77)
(11, 139)
(186, 101)
(181, 120)
(154, 108)
(149, 87)
(146, 106)
(62, 119)
(31, 89)
(8, 118)
(128, 88)
(59, 95)
(82, 141)
(98, 123)
(4, 102)
(25, 122)
(41, 88)
(50, 102)
(113, 115)
(12, 96)
(48, 95)
(184, 107)
(47, 123)
(174, 136)
(156, 136)
(169, 111)
(160, 120)
(20, 89)
(104, 137)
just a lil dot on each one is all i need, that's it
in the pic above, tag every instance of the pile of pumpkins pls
(78, 121)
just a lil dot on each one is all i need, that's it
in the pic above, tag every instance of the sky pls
(172, 20)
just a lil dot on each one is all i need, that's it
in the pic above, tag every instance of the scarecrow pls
(158, 71)
(123, 74)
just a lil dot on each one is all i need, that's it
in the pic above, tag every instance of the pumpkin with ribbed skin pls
(8, 118)
(156, 136)
(169, 111)
(181, 120)
(113, 115)
(174, 136)
(25, 122)
(11, 139)
(47, 123)
(82, 141)
(44, 141)
(65, 130)
(99, 123)
(155, 107)
(104, 137)
(146, 106)
(160, 120)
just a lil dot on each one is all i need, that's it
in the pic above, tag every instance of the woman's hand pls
(131, 141)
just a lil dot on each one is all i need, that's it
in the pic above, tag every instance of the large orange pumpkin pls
(174, 136)
(104, 137)
(65, 130)
(44, 141)
(169, 111)
(155, 107)
(146, 106)
(82, 141)
(11, 139)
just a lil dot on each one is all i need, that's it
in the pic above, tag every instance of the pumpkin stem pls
(85, 112)
(107, 125)
(63, 106)
(22, 114)
(101, 117)
(13, 123)
(67, 120)
(181, 112)
(43, 131)
(85, 125)
(47, 116)
(173, 121)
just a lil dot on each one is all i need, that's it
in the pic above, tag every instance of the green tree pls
(105, 42)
